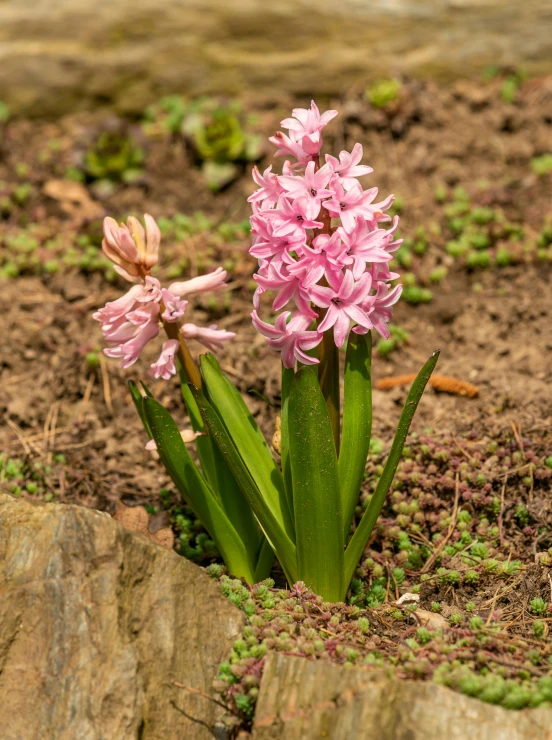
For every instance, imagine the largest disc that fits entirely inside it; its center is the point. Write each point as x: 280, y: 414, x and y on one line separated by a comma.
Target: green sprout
x: 383, y: 92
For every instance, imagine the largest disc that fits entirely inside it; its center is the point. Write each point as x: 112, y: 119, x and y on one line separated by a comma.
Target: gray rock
x: 59, y: 55
x: 95, y: 625
x: 301, y: 699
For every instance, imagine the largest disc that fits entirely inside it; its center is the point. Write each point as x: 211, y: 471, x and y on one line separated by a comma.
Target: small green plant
x: 542, y: 165
x: 538, y: 606
x: 383, y: 92
x: 398, y: 337
x: 114, y: 156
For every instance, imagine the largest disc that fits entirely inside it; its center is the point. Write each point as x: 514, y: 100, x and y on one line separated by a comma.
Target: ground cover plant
x: 69, y: 415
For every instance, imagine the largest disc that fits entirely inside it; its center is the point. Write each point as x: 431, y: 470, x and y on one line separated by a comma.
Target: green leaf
x: 357, y: 423
x: 264, y: 561
x: 225, y: 488
x: 204, y: 445
x: 137, y: 400
x: 273, y: 529
x: 249, y: 441
x: 196, y: 492
x: 364, y: 530
x: 316, y: 495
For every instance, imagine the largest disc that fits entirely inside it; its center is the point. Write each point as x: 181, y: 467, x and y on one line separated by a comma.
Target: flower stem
x: 328, y: 377
x: 186, y: 360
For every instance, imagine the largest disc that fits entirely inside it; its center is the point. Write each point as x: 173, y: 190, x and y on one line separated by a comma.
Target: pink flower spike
x: 291, y: 338
x: 343, y: 304
x: 203, y: 283
x: 174, y: 307
x: 165, y: 367
x: 130, y: 350
x: 210, y: 337
x: 348, y: 167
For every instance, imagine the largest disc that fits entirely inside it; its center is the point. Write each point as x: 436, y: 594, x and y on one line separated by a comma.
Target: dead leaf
x: 73, y: 199
x: 136, y: 519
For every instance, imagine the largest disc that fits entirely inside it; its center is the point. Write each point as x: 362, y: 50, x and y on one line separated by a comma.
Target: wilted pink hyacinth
x: 133, y: 320
x: 335, y: 274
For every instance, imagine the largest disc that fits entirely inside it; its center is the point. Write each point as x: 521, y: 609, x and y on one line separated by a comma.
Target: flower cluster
x: 337, y: 275
x: 133, y: 320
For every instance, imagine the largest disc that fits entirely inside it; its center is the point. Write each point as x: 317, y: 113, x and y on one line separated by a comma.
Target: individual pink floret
x: 342, y: 301
x: 210, y: 336
x: 174, y: 306
x: 212, y: 281
x: 347, y: 167
x: 165, y: 367
x: 291, y: 338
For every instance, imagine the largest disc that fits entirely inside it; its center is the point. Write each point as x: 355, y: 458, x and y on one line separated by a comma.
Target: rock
x: 95, y: 625
x: 302, y: 699
x: 58, y: 55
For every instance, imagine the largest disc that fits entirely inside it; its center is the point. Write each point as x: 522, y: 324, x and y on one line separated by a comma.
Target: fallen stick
x: 441, y: 383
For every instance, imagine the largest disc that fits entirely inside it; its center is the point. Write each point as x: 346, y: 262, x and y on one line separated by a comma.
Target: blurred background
x: 118, y: 107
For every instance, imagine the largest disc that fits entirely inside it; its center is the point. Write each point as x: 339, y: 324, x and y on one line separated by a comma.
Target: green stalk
x: 328, y: 377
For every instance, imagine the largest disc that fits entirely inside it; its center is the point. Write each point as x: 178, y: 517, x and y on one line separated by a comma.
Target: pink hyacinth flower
x: 203, y: 283
x: 288, y: 286
x: 353, y: 203
x: 293, y: 218
x: 165, y: 367
x: 130, y: 350
x: 342, y: 301
x: 174, y: 307
x: 210, y: 337
x: 132, y: 249
x: 269, y: 190
x: 115, y: 311
x: 326, y: 255
x: 363, y: 245
x: 312, y: 185
x: 291, y: 338
x: 378, y: 308
x: 306, y: 125
x: 348, y: 167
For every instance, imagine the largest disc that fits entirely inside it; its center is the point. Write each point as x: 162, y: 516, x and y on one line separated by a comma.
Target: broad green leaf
x: 274, y: 531
x: 357, y: 423
x: 204, y: 445
x: 316, y: 495
x: 264, y: 561
x: 218, y: 474
x: 287, y: 378
x: 249, y: 441
x: 364, y: 530
x: 137, y: 400
x: 196, y: 492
